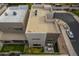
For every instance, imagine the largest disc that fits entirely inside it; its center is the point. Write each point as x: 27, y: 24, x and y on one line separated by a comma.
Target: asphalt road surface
x: 74, y: 27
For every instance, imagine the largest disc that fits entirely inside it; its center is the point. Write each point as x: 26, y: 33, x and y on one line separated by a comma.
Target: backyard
x: 25, y: 49
x: 39, y: 51
x: 12, y: 47
x: 33, y: 50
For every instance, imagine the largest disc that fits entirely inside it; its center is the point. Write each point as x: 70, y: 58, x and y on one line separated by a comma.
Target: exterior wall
x: 26, y: 20
x: 11, y: 27
x: 13, y: 23
x: 40, y: 38
x: 61, y: 45
x: 13, y: 36
x: 36, y: 38
x: 52, y: 37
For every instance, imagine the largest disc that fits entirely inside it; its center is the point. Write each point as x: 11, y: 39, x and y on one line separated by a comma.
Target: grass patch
x: 36, y: 50
x: 33, y: 50
x: 75, y: 12
x: 26, y: 49
x: 12, y: 47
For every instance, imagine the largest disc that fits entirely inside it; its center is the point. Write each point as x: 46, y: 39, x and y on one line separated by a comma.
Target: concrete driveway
x: 74, y: 27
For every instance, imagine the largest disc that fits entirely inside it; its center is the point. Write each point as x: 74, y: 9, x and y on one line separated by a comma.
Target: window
x: 26, y: 41
x: 36, y: 44
x: 18, y: 41
x: 35, y: 39
x: 6, y: 41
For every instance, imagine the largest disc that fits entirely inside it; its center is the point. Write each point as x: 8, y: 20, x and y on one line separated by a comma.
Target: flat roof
x: 19, y: 17
x: 38, y: 24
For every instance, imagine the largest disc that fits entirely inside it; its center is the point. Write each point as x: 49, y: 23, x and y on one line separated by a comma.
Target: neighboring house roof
x: 14, y: 14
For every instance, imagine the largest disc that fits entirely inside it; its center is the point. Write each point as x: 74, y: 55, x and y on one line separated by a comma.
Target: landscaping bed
x: 25, y: 49
x: 75, y: 12
x: 36, y: 50
x: 33, y: 50
x: 12, y: 47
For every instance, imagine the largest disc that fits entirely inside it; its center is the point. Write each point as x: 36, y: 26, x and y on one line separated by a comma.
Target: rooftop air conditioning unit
x: 38, y: 6
x: 47, y: 7
x: 49, y: 18
x: 6, y: 14
x: 35, y: 12
x: 14, y: 13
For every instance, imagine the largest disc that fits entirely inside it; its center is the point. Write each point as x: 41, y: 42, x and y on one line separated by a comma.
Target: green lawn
x: 38, y: 51
x: 13, y: 47
x: 33, y: 50
x: 25, y: 49
x: 75, y: 12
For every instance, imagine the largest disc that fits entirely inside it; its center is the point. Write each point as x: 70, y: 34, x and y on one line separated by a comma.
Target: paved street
x: 74, y: 26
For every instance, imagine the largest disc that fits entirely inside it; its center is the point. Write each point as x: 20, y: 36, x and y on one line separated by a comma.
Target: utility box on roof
x: 47, y: 7
x: 14, y: 19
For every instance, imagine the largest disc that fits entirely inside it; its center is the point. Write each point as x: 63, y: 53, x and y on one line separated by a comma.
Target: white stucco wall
x: 10, y: 27
x: 41, y: 37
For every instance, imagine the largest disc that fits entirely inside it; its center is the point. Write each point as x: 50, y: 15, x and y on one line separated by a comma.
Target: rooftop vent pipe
x: 6, y: 14
x: 35, y: 12
x: 14, y: 13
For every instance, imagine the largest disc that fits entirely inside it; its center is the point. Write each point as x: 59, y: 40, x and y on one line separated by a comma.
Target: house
x: 40, y: 30
x: 13, y: 24
x: 13, y: 19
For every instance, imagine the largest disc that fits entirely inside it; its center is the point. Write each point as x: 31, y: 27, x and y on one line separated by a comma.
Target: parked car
x: 70, y: 34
